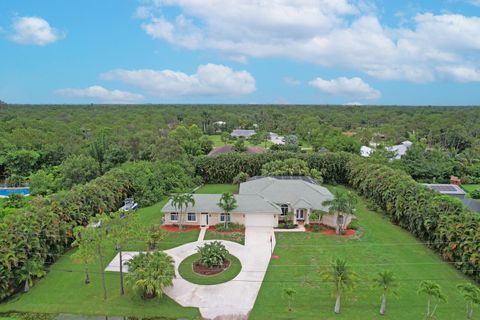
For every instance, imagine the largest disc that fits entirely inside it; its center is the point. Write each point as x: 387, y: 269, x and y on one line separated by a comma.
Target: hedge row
x: 224, y: 168
x: 35, y: 237
x: 439, y: 221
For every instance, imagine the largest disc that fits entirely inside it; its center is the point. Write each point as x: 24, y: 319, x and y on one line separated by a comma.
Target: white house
x: 400, y: 149
x: 275, y: 138
x: 261, y: 202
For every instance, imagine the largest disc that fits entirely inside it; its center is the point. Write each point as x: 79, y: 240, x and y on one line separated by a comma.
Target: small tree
x: 433, y: 291
x: 342, y: 277
x: 471, y: 294
x: 317, y: 215
x: 385, y: 281
x: 30, y: 270
x: 91, y: 242
x: 342, y: 206
x: 212, y: 254
x: 225, y: 137
x: 150, y: 273
x: 227, y: 204
x: 181, y: 202
x: 289, y: 293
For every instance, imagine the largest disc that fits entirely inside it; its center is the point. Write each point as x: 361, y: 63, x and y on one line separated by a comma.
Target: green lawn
x: 383, y: 246
x: 217, y: 188
x: 186, y: 271
x: 238, y: 237
x: 470, y: 187
x: 63, y: 289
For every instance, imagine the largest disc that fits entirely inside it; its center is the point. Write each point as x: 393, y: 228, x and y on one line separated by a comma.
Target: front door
x: 301, y: 214
x: 204, y: 219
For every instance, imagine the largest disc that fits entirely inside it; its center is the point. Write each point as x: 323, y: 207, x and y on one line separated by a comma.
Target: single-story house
x: 228, y: 148
x: 447, y: 189
x: 400, y: 149
x: 275, y: 138
x: 261, y: 202
x: 241, y: 133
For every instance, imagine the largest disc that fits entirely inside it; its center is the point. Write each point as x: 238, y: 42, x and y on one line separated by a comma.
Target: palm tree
x: 344, y: 203
x: 385, y: 281
x: 150, y: 273
x: 433, y: 291
x: 181, y: 201
x: 343, y: 278
x: 30, y: 270
x: 289, y: 293
x: 227, y: 203
x: 471, y: 294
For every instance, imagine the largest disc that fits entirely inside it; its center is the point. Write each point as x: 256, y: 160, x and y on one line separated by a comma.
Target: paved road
x: 230, y: 300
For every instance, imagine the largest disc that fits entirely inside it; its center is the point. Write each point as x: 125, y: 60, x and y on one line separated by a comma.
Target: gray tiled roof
x: 448, y: 189
x: 245, y: 204
x: 472, y: 204
x: 242, y: 133
x: 288, y: 191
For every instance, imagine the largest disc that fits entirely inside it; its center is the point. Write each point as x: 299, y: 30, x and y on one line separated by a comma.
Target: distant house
x: 241, y: 133
x: 261, y: 202
x: 275, y: 138
x: 447, y: 189
x: 228, y: 148
x: 400, y: 149
x: 457, y: 192
x: 366, y: 151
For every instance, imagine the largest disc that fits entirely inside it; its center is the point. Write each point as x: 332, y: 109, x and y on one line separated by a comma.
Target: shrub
x: 14, y: 201
x: 212, y: 254
x: 241, y: 177
x: 354, y: 225
x: 475, y: 194
x: 231, y: 226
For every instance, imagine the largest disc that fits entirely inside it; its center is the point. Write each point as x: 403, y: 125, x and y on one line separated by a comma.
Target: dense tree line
x: 38, y: 234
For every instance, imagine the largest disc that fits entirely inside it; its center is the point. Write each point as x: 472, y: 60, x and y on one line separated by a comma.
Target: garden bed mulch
x: 331, y: 232
x: 207, y: 271
x: 171, y: 228
x: 214, y: 229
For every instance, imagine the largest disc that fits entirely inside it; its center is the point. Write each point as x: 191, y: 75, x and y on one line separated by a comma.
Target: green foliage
x: 290, y: 294
x: 288, y: 167
x: 180, y: 202
x: 15, y: 180
x: 78, y: 169
x: 475, y: 194
x: 21, y: 162
x: 212, y: 254
x: 239, y: 146
x: 151, y: 273
x: 227, y: 203
x: 471, y: 294
x: 241, y: 177
x: 42, y: 183
x: 231, y: 226
x: 433, y: 291
x: 14, y: 201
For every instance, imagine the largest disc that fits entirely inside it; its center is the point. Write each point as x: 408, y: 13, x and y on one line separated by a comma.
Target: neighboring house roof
x: 400, y: 149
x: 242, y: 133
x: 288, y: 190
x: 365, y: 151
x: 275, y: 138
x: 228, y: 148
x: 246, y: 203
x: 472, y: 204
x: 447, y: 189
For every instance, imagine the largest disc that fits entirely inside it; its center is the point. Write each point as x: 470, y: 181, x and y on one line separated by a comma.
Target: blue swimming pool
x: 5, y: 192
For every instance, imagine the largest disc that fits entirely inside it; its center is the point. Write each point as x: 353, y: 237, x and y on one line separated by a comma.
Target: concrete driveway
x: 230, y: 300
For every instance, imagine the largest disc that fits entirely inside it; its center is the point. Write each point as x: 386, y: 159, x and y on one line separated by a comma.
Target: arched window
x: 284, y: 208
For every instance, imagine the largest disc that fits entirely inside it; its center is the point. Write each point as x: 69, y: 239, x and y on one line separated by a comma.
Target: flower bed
x: 187, y: 272
x: 175, y: 228
x: 200, y: 269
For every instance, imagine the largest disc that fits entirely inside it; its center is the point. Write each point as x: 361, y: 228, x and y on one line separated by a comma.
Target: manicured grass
x: 217, y: 188
x: 63, y: 289
x: 238, y: 237
x: 186, y: 271
x: 383, y: 246
x: 470, y: 187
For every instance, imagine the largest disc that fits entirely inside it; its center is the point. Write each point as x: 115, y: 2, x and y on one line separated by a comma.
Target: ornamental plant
x: 212, y: 254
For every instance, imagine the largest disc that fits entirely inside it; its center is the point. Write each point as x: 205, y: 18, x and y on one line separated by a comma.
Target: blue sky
x: 225, y: 51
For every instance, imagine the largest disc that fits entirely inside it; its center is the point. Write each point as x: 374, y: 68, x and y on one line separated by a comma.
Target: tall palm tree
x: 471, y: 294
x: 385, y: 281
x: 181, y: 201
x: 433, y: 291
x: 151, y: 273
x: 342, y: 277
x: 342, y: 206
x: 227, y: 203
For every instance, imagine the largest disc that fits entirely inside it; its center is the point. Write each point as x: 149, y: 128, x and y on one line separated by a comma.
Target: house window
x: 174, y: 216
x: 223, y: 216
x: 192, y: 216
x: 300, y: 214
x: 284, y: 208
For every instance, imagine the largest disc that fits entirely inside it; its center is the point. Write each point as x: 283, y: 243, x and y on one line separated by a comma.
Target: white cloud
x: 354, y: 87
x: 102, y: 94
x: 291, y: 81
x: 332, y: 33
x: 34, y: 30
x: 461, y: 73
x: 209, y: 80
x: 475, y: 2
x: 353, y: 103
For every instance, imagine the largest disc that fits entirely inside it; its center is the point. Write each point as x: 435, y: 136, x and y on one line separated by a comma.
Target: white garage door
x: 259, y: 220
